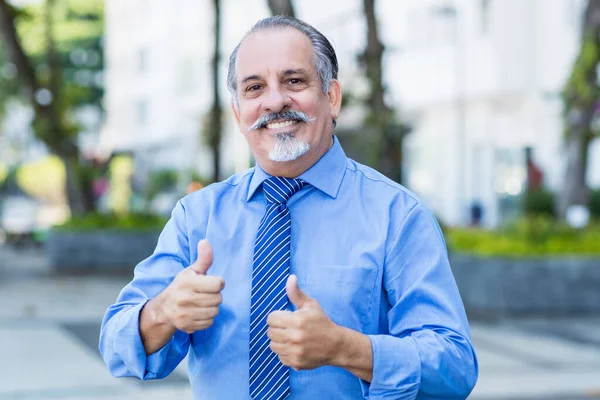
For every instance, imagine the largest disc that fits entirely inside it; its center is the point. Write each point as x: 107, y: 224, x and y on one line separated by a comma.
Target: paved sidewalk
x: 49, y: 334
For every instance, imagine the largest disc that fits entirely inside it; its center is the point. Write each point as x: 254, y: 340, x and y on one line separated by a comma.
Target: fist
x: 306, y: 338
x: 191, y: 301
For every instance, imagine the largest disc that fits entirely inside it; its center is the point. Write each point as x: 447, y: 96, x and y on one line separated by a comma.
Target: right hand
x: 191, y: 302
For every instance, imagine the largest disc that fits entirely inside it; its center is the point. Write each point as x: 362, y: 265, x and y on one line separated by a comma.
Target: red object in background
x: 535, y: 176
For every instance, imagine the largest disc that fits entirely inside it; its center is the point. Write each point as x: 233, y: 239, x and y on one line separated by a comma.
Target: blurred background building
x: 478, y: 81
x: 492, y: 76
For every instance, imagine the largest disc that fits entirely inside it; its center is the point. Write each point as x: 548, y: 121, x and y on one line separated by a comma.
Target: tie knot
x: 278, y: 190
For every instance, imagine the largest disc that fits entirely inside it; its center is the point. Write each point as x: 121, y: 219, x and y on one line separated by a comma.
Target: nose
x: 276, y: 101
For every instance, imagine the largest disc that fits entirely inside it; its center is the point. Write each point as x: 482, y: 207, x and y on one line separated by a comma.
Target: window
x: 143, y: 60
x: 576, y: 14
x: 485, y: 16
x: 142, y: 113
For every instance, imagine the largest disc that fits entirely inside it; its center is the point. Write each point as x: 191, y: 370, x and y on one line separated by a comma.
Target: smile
x: 279, y: 125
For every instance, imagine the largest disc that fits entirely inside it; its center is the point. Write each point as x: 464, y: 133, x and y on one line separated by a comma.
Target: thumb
x: 205, y: 258
x: 296, y: 296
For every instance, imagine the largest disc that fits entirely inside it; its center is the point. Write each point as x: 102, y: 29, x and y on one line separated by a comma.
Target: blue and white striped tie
x: 269, y: 378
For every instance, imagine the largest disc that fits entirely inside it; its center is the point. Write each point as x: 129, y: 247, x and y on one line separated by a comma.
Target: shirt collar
x: 325, y: 175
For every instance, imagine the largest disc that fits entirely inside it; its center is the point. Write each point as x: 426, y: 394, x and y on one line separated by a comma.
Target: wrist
x: 157, y: 311
x: 352, y: 350
x: 341, y: 346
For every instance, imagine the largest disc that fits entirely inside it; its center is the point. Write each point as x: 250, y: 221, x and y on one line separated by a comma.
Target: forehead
x: 274, y: 50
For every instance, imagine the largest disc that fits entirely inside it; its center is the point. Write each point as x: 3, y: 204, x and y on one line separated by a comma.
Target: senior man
x: 309, y: 276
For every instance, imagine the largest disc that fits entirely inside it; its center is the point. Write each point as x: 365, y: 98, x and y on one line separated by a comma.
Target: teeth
x: 278, y: 125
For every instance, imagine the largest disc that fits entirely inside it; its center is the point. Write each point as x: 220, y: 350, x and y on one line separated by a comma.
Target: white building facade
x: 479, y: 80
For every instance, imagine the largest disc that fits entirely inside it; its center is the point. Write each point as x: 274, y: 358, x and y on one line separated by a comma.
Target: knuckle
x: 298, y: 353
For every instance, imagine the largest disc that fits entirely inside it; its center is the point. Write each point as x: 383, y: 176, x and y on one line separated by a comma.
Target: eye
x: 295, y: 81
x: 252, y: 88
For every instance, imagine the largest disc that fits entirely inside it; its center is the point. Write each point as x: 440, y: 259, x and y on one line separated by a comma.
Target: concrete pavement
x: 49, y: 330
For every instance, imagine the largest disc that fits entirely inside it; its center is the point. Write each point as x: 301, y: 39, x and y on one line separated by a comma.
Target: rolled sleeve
x: 427, y: 352
x: 129, y: 356
x: 396, y: 369
x: 120, y: 341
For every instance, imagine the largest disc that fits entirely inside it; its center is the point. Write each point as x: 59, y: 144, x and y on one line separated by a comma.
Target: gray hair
x: 325, y: 59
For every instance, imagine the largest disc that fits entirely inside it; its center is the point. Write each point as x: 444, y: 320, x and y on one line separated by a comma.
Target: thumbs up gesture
x: 191, y: 302
x: 306, y: 338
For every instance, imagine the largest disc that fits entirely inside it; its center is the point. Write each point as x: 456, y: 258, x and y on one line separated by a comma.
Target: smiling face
x: 282, y: 109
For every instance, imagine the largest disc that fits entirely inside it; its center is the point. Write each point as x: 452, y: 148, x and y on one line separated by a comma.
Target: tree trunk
x: 48, y: 118
x: 386, y: 137
x: 216, y: 111
x: 81, y: 199
x: 580, y: 112
x: 281, y: 7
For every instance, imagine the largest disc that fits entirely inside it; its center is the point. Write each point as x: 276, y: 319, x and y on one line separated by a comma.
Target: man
x: 309, y: 276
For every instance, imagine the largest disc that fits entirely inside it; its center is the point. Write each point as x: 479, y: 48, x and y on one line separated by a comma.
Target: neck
x: 293, y: 169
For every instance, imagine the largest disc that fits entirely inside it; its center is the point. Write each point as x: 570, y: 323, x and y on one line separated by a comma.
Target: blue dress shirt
x: 363, y: 246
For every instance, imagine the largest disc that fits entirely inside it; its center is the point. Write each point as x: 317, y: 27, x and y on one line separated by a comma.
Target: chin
x: 284, y: 154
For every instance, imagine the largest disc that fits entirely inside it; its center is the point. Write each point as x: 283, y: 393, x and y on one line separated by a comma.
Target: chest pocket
x: 344, y: 292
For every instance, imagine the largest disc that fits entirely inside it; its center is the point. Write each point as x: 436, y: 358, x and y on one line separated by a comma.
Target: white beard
x: 287, y: 148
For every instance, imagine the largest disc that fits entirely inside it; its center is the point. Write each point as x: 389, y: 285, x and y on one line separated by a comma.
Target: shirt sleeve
x: 120, y: 341
x: 427, y: 353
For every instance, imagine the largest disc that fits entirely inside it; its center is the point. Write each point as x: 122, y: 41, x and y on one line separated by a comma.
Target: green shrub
x: 128, y: 222
x: 532, y: 236
x: 539, y: 202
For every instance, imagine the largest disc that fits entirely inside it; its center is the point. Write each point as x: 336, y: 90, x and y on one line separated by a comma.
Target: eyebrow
x: 294, y: 71
x: 250, y: 78
x: 287, y: 72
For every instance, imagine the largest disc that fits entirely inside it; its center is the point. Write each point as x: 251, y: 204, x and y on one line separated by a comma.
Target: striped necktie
x: 269, y: 378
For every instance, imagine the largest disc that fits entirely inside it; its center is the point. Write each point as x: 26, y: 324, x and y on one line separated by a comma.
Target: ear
x: 335, y: 98
x: 236, y: 114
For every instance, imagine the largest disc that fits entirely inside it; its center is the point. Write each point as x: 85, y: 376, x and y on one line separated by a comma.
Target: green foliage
x: 73, y: 20
x: 196, y: 177
x: 580, y: 89
x: 78, y: 34
x: 160, y: 181
x: 9, y: 180
x: 595, y: 203
x: 532, y: 236
x: 127, y: 222
x: 539, y: 202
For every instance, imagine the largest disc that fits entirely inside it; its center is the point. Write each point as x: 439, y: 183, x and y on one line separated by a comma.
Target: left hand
x: 306, y: 338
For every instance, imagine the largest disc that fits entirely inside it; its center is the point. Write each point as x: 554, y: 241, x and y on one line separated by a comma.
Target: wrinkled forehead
x: 274, y: 50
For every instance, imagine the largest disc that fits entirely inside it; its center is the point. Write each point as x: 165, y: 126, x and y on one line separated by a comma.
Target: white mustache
x: 291, y: 115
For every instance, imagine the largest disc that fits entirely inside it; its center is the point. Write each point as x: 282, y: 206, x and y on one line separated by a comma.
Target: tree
x: 581, y: 97
x: 39, y: 41
x: 281, y: 7
x: 216, y: 112
x: 385, y: 134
